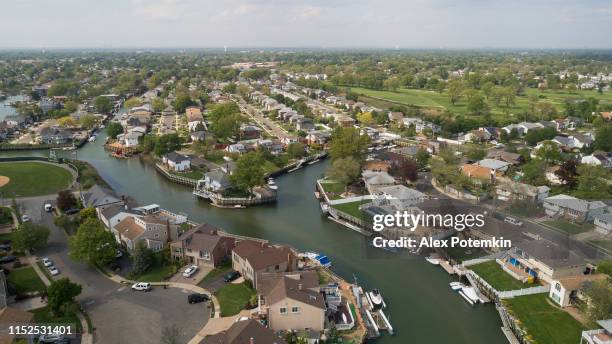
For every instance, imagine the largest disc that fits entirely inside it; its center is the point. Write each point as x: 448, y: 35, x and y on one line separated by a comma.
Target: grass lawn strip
x: 34, y: 179
x: 352, y: 208
x: 25, y: 280
x: 568, y: 227
x: 545, y: 323
x: 493, y: 273
x: 233, y: 298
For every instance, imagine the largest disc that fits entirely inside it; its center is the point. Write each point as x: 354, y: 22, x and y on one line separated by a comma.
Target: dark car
x: 7, y: 259
x: 71, y: 211
x: 197, y: 298
x: 231, y: 276
x: 5, y: 246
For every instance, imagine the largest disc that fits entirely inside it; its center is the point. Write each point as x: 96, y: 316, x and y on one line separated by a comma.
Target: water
x: 422, y: 308
x: 6, y: 110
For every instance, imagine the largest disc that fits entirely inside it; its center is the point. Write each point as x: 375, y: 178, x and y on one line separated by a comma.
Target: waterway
x: 421, y: 306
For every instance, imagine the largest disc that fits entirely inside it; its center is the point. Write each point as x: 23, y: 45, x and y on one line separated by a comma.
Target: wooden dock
x: 447, y: 267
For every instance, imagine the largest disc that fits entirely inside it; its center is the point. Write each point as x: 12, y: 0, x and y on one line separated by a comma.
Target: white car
x: 53, y: 270
x: 190, y: 271
x: 513, y: 221
x: 47, y: 262
x: 25, y: 218
x: 141, y: 286
x: 48, y: 207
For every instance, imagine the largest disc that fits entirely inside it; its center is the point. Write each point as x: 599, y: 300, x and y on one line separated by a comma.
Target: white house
x: 177, y: 162
x: 565, y: 291
x: 572, y: 208
x: 598, y: 158
x: 603, y: 223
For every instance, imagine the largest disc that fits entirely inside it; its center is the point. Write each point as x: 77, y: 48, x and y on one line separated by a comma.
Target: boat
x: 433, y: 261
x: 92, y: 138
x: 313, y: 162
x: 469, y: 294
x: 272, y: 184
x: 320, y: 259
x: 324, y: 207
x: 456, y: 286
x: 102, y: 126
x: 376, y: 299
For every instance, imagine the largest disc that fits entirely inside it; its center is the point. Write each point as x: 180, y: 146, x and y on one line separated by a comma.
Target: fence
x: 175, y: 178
x: 483, y: 259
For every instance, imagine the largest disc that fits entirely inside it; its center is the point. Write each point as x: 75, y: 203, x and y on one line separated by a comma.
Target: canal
x: 421, y: 306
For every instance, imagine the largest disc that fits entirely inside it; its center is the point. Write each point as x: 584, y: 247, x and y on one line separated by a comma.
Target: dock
x: 447, y: 267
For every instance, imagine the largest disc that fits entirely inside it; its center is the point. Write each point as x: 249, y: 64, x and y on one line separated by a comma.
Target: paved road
x: 267, y: 124
x: 117, y: 312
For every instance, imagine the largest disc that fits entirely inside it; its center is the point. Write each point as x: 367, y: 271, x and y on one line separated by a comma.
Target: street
x: 116, y: 311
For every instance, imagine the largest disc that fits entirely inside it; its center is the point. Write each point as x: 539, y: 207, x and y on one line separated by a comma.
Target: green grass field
x: 434, y: 99
x: 546, y: 324
x: 156, y: 273
x: 33, y: 179
x: 352, y: 208
x: 45, y: 316
x: 492, y: 273
x: 25, y: 280
x: 568, y: 227
x: 233, y: 298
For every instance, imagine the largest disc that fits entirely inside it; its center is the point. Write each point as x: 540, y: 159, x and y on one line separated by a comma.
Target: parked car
x: 118, y: 254
x: 51, y: 338
x: 190, y: 271
x: 7, y: 259
x: 47, y: 262
x: 5, y: 247
x: 513, y: 221
x: 141, y: 286
x: 25, y: 218
x: 231, y: 276
x: 197, y: 298
x: 53, y: 271
x: 48, y: 207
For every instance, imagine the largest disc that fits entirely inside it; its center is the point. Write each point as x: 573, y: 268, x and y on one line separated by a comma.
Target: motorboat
x: 433, y: 261
x: 92, y: 138
x: 376, y: 299
x: 456, y: 286
x: 272, y: 184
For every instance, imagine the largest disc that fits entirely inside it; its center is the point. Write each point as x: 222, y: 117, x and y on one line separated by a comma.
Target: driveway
x: 117, y: 312
x: 194, y: 279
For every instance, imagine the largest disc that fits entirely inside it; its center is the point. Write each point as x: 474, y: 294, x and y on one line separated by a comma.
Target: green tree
x: 103, y: 104
x: 113, y: 129
x: 532, y: 172
x: 181, y: 102
x: 249, y: 171
x: 30, y: 237
x: 599, y: 294
x: 132, y: 102
x: 605, y: 267
x: 167, y: 143
x: 142, y: 258
x: 88, y: 121
x: 592, y: 182
x: 477, y: 105
x: 455, y: 90
x: 348, y: 142
x: 549, y: 152
x: 344, y: 171
x: 296, y: 150
x: 158, y: 104
x: 603, y: 138
x: 61, y: 293
x: 93, y: 244
x: 476, y: 154
x: 422, y: 158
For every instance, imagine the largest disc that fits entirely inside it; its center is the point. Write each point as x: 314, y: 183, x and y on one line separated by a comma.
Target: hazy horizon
x: 333, y: 24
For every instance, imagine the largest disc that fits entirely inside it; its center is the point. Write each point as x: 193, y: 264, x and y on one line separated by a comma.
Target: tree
x: 568, y: 172
x: 71, y: 106
x: 296, y: 150
x: 549, y: 152
x: 533, y: 172
x: 113, y: 129
x: 455, y: 90
x: 534, y: 136
x: 30, y: 237
x: 103, y: 104
x: 476, y: 154
x: 167, y: 143
x: 141, y: 259
x: 65, y: 200
x: 88, y: 121
x: 365, y: 118
x: 158, y: 104
x: 344, y: 171
x: 181, y: 102
x: 477, y: 105
x: 405, y: 169
x: 348, y: 142
x: 249, y: 171
x: 392, y: 84
x: 603, y: 138
x: 67, y: 122
x: 88, y: 213
x: 605, y: 267
x: 422, y: 158
x: 60, y: 293
x: 93, y: 244
x: 592, y: 182
x: 599, y: 294
x: 132, y: 102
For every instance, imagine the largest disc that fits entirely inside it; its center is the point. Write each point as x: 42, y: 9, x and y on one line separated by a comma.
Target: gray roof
x: 607, y: 218
x: 551, y: 254
x: 174, y: 156
x: 244, y: 332
x: 401, y: 192
x: 606, y: 324
x: 98, y: 196
x: 220, y: 177
x: 574, y: 203
x: 493, y: 164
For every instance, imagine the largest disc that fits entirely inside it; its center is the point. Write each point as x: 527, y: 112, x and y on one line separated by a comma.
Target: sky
x: 535, y: 24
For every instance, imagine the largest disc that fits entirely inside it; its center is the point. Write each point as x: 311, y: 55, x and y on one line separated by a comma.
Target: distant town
x: 230, y: 197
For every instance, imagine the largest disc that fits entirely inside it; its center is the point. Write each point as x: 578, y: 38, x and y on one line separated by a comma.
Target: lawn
x: 352, y: 208
x: 44, y: 316
x: 25, y: 280
x: 33, y: 179
x: 607, y: 244
x: 214, y: 273
x: 197, y: 175
x: 233, y: 298
x: 6, y: 216
x: 545, y: 323
x: 568, y: 227
x: 492, y: 273
x: 156, y: 273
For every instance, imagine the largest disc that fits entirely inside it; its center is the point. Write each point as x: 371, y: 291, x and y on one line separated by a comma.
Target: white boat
x: 433, y: 261
x: 456, y: 286
x: 272, y: 184
x: 102, y: 126
x: 376, y: 299
x: 313, y: 162
x: 469, y: 293
x: 324, y: 207
x: 92, y: 138
x: 466, y: 298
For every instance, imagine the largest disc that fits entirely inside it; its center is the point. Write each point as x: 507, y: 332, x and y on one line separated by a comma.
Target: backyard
x: 492, y: 273
x: 33, y: 179
x: 25, y: 280
x: 545, y: 323
x: 234, y: 297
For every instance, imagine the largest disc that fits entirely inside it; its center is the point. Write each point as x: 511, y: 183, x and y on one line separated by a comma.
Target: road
x: 495, y: 223
x: 267, y: 124
x: 116, y: 311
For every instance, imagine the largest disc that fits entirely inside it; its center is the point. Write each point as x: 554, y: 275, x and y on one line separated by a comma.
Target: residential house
x: 507, y: 189
x: 374, y: 180
x: 202, y: 246
x: 194, y: 118
x: 511, y: 158
x: 98, y: 196
x: 318, y: 137
x: 395, y: 117
x: 291, y: 301
x: 598, y: 158
x: 603, y: 223
x: 576, y: 141
x: 252, y: 258
x: 153, y: 230
x: 480, y: 172
x: 242, y: 331
x: 305, y: 124
x: 399, y: 196
x: 55, y: 136
x: 249, y: 131
x: 572, y: 208
x: 545, y: 261
x: 215, y: 181
x: 493, y: 164
x: 198, y: 136
x: 129, y: 139
x: 176, y: 162
x: 598, y: 336
x: 566, y: 291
